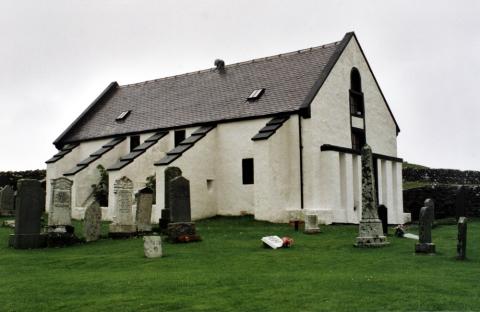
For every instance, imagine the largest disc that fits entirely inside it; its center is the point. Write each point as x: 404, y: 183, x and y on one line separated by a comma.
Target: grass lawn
x: 230, y: 271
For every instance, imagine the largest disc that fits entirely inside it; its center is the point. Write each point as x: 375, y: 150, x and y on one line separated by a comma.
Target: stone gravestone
x: 383, y: 216
x: 27, y: 216
x: 152, y: 246
x: 181, y: 229
x: 7, y: 201
x: 370, y: 232
x: 179, y: 199
x: 60, y: 213
x: 462, y: 239
x: 425, y: 223
x: 460, y: 202
x: 170, y: 174
x: 144, y: 210
x: 123, y: 224
x: 60, y: 231
x: 92, y: 222
x: 311, y: 223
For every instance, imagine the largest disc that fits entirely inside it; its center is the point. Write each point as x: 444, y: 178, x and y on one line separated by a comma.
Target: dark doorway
x: 383, y: 216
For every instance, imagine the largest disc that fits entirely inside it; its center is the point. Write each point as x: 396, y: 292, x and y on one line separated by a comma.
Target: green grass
x: 230, y: 271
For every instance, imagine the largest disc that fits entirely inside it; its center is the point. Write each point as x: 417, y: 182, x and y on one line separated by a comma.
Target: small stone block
x: 152, y: 246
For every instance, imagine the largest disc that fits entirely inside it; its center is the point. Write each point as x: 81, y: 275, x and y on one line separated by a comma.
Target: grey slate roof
x: 209, y: 96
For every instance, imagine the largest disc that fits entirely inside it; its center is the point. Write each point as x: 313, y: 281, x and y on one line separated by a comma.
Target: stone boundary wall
x: 11, y: 177
x: 444, y: 197
x: 442, y: 176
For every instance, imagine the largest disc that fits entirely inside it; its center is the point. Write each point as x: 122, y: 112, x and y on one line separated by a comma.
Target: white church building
x: 262, y: 137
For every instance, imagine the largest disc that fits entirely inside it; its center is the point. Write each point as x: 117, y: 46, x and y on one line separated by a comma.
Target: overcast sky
x: 57, y: 56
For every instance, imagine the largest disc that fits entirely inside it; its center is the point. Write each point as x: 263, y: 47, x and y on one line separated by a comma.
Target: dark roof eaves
x: 112, y: 86
x: 305, y: 106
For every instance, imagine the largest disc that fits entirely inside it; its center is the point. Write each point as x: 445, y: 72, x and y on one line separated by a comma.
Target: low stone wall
x: 11, y: 177
x: 444, y: 197
x: 443, y: 176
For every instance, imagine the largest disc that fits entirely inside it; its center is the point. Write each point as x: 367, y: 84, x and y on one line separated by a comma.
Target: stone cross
x: 460, y: 202
x: 370, y: 232
x: 60, y: 213
x: 462, y: 239
x: 425, y: 223
x: 179, y: 199
x: 7, y: 201
x: 92, y: 222
x: 123, y: 221
x: 27, y: 215
x: 144, y: 210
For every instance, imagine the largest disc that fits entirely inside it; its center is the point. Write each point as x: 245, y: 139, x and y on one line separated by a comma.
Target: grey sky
x: 57, y: 56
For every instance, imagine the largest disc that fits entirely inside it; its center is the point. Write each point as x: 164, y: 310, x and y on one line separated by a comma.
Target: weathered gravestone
x: 60, y: 213
x: 461, y: 202
x: 28, y: 212
x: 144, y: 210
x: 123, y: 222
x: 152, y: 246
x: 462, y: 239
x: 370, y: 232
x: 181, y: 229
x: 425, y: 223
x: 7, y: 201
x: 311, y: 223
x: 92, y: 222
x: 170, y: 174
x: 383, y: 216
x: 60, y: 231
x: 179, y: 199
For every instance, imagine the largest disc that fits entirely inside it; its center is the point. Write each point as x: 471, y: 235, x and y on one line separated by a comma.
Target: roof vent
x: 123, y: 115
x: 219, y: 64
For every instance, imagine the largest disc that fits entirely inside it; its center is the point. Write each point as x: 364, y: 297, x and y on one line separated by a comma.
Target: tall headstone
x: 461, y: 202
x: 425, y: 223
x: 27, y: 216
x: 179, y: 199
x: 123, y: 222
x: 60, y: 213
x: 383, y: 216
x: 92, y: 222
x: 144, y: 210
x: 370, y: 232
x: 462, y: 239
x: 7, y: 201
x: 170, y: 174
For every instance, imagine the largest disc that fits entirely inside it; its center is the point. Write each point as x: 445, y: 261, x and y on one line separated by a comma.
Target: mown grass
x: 230, y: 271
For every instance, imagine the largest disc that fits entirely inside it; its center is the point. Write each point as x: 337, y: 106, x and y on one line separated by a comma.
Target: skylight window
x: 256, y: 94
x: 123, y: 115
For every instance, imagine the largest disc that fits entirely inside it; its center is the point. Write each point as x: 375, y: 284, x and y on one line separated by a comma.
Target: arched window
x: 356, y: 94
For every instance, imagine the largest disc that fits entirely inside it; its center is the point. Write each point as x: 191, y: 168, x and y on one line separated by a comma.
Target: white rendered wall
x: 330, y: 188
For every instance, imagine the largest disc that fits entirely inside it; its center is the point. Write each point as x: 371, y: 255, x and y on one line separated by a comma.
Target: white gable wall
x: 331, y: 179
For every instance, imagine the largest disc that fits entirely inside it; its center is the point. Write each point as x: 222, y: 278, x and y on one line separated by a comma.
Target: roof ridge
x: 266, y: 58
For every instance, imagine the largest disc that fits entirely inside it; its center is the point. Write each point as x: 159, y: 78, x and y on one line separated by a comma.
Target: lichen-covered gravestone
x: 462, y: 239
x: 170, y: 174
x: 60, y: 213
x: 7, y: 201
x: 92, y: 222
x: 370, y: 231
x: 152, y: 246
x: 27, y: 216
x: 144, y: 210
x: 123, y: 222
x: 311, y: 223
x: 425, y: 223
